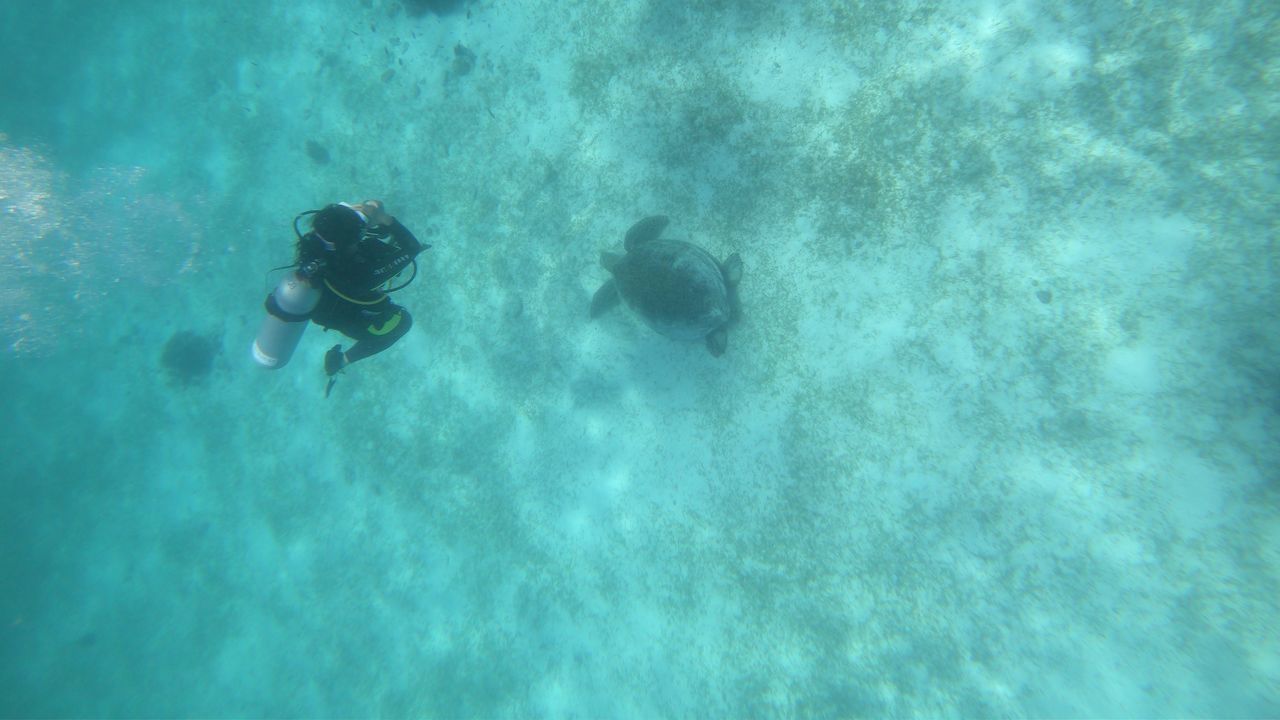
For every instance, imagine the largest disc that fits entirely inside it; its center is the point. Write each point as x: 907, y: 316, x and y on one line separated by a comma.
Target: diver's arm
x: 384, y: 259
x: 380, y: 219
x: 405, y: 239
x: 375, y: 211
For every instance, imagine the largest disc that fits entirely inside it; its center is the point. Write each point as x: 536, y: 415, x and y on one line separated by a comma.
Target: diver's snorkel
x: 298, y: 217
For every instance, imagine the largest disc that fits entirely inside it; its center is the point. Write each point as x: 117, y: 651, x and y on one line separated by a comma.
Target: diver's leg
x: 380, y: 334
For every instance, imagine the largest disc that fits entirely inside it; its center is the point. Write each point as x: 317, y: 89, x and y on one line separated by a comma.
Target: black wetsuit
x: 349, y: 278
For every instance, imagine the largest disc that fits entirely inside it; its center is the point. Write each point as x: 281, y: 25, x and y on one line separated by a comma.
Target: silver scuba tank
x: 288, y: 308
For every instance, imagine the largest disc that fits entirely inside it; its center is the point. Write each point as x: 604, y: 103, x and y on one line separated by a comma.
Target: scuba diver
x: 344, y: 268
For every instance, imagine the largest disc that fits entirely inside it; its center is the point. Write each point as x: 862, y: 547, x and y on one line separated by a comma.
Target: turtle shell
x: 676, y: 287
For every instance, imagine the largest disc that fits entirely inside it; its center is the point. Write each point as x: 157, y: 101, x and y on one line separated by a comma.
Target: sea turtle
x: 676, y: 287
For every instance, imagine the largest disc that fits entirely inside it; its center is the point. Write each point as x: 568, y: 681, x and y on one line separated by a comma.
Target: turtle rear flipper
x: 604, y: 299
x: 645, y: 230
x: 732, y: 269
x: 717, y: 341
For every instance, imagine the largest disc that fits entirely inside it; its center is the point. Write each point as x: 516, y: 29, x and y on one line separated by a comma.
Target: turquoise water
x: 997, y: 434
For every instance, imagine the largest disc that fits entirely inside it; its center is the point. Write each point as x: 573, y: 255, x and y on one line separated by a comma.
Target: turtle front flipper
x: 645, y: 230
x: 604, y: 299
x: 717, y: 341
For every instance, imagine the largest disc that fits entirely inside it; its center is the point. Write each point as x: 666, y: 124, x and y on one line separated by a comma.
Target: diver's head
x: 338, y: 226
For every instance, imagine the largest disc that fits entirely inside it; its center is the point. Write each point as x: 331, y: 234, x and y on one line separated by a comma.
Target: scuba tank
x: 288, y: 310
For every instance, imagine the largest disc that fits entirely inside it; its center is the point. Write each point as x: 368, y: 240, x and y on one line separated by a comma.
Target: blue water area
x: 995, y: 433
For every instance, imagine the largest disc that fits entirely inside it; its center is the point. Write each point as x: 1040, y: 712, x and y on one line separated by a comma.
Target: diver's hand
x: 376, y: 213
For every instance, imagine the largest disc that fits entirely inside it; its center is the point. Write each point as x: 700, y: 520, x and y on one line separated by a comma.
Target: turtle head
x: 610, y: 260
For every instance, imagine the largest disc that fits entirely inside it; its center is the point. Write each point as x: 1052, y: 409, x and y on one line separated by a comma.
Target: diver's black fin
x: 605, y: 298
x: 329, y: 386
x: 645, y: 230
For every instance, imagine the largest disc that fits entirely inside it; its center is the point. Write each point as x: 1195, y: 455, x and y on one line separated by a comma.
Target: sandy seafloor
x: 996, y: 436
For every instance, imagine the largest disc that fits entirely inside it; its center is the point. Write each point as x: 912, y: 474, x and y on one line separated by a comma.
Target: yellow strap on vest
x: 340, y: 294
